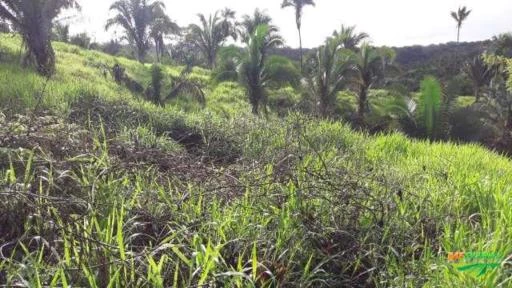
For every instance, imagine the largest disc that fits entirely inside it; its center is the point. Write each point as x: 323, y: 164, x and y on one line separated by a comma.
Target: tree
x: 113, y: 47
x: 136, y: 17
x: 502, y: 45
x: 498, y: 104
x: 156, y: 84
x: 82, y: 40
x: 33, y: 20
x: 252, y: 72
x: 299, y: 6
x: 460, y: 16
x: 480, y: 74
x: 212, y: 33
x: 430, y: 105
x: 326, y: 73
x: 60, y: 32
x: 349, y: 38
x: 369, y: 65
x: 162, y: 25
x: 250, y: 23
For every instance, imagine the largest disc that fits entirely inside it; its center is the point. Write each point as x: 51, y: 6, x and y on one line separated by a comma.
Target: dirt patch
x: 47, y: 133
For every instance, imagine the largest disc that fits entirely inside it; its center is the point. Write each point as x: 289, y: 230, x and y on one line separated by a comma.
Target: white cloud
x: 392, y: 22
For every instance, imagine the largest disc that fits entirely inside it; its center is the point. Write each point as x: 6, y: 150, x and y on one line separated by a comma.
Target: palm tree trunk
x: 476, y: 92
x: 157, y: 51
x: 140, y: 52
x: 37, y: 38
x: 323, y: 108
x: 301, y: 53
x: 363, y: 98
x: 323, y: 103
x: 508, y: 125
x: 140, y: 56
x: 255, y: 106
x: 458, y: 34
x: 211, y: 60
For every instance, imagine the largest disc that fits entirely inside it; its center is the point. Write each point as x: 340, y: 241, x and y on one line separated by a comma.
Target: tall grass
x: 149, y: 196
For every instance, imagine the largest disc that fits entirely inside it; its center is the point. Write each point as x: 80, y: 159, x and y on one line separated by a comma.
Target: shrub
x: 82, y: 40
x: 467, y: 125
x: 113, y: 47
x: 429, y: 108
x: 60, y: 33
x: 156, y: 83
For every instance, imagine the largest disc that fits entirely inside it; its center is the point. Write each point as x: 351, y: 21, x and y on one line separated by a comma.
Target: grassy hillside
x: 100, y: 188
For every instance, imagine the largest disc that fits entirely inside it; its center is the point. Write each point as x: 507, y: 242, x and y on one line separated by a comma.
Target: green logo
x: 475, y: 262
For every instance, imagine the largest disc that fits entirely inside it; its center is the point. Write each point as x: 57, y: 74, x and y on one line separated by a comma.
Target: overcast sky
x: 391, y: 22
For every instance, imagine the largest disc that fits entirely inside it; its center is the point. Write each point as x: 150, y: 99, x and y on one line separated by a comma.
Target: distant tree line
x: 425, y: 82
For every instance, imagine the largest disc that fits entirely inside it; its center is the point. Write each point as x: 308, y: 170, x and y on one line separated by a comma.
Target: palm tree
x: 249, y: 26
x: 211, y: 34
x: 162, y: 26
x: 60, y: 32
x: 250, y: 23
x: 298, y: 5
x: 349, y: 38
x: 33, y: 19
x: 480, y: 74
x: 502, y: 45
x: 136, y: 17
x: 369, y: 65
x: 460, y: 16
x: 429, y: 108
x: 326, y: 74
x: 252, y: 69
x: 499, y: 100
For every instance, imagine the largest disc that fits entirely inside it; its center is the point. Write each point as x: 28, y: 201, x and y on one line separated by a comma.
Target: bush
x: 82, y: 40
x: 60, y: 33
x: 467, y: 125
x: 113, y: 47
x: 156, y: 84
x: 283, y: 72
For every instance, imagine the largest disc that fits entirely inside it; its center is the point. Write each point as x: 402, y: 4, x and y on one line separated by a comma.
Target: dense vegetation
x: 255, y: 170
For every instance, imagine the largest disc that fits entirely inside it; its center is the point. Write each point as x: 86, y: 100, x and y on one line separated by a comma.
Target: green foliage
x: 60, y: 32
x: 460, y: 16
x: 369, y: 66
x: 33, y: 20
x: 509, y: 67
x: 502, y: 45
x: 212, y: 33
x: 140, y: 20
x: 144, y: 137
x: 388, y: 109
x: 161, y: 26
x: 116, y: 191
x: 228, y: 61
x: 82, y: 40
x: 250, y: 24
x: 480, y: 74
x: 156, y: 83
x: 252, y: 70
x: 298, y: 5
x: 429, y: 108
x: 282, y: 71
x: 326, y: 74
x: 349, y: 38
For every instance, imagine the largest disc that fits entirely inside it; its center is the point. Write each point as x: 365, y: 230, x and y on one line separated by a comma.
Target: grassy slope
x: 299, y: 183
